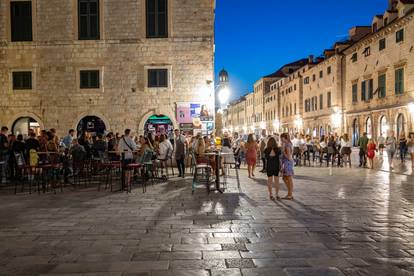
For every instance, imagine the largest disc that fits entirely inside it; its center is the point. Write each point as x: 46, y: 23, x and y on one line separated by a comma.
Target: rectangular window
x: 320, y: 101
x: 157, y: 78
x: 316, y: 103
x: 367, y: 51
x: 21, y: 20
x: 354, y: 57
x: 313, y: 104
x: 295, y: 108
x: 399, y: 81
x: 88, y: 19
x: 382, y: 44
x: 320, y: 74
x: 355, y: 93
x: 306, y: 80
x: 329, y: 70
x: 157, y: 18
x: 382, y: 86
x: 399, y: 36
x: 329, y: 99
x: 89, y: 79
x: 22, y: 80
x: 370, y: 89
x: 313, y: 77
x: 363, y: 91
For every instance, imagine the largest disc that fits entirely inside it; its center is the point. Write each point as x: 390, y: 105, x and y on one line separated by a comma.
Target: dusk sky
x: 255, y: 37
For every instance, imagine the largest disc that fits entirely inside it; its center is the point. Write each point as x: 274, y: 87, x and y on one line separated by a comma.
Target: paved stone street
x: 355, y: 222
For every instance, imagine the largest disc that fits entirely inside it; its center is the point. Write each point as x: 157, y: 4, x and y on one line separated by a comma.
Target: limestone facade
x: 366, y: 83
x: 123, y: 55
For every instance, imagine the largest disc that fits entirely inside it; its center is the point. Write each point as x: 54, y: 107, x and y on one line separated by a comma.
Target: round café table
x: 217, y: 155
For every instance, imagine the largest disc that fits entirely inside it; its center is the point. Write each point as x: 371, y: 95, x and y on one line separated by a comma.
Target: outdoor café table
x: 217, y: 155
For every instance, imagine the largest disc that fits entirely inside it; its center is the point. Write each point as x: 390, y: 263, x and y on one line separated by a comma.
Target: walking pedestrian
x: 410, y: 146
x: 251, y: 154
x: 371, y: 148
x: 272, y: 155
x: 402, y: 146
x: 287, y: 164
x: 263, y: 144
x: 391, y: 146
x: 180, y: 151
x: 381, y: 144
x: 362, y: 143
x: 127, y: 146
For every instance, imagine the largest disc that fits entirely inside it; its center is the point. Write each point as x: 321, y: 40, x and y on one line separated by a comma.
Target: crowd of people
x: 279, y: 154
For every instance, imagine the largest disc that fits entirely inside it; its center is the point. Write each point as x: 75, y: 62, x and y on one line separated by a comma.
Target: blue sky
x: 255, y: 37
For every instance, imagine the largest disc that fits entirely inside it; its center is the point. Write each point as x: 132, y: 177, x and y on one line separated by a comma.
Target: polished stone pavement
x: 353, y: 222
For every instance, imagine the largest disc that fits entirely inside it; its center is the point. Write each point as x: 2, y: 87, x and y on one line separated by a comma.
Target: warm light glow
x: 252, y: 128
x: 276, y: 125
x: 224, y: 95
x: 262, y: 125
x: 411, y: 108
x: 299, y: 123
x: 336, y: 119
x: 245, y: 129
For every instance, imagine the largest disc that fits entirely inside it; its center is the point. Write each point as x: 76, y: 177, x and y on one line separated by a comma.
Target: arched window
x: 400, y: 124
x: 383, y: 126
x: 368, y: 127
x: 355, y: 132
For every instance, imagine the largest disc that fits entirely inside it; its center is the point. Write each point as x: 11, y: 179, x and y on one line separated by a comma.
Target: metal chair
x: 202, y: 174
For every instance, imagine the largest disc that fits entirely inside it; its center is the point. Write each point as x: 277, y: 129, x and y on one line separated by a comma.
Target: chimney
x: 310, y: 59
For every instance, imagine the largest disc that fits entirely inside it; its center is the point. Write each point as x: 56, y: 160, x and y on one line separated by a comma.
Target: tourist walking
x: 180, y: 152
x: 127, y: 146
x: 391, y: 146
x: 272, y: 155
x: 402, y: 146
x: 410, y: 146
x: 287, y: 164
x: 381, y: 144
x: 263, y: 144
x: 362, y: 143
x: 346, y: 149
x: 371, y: 148
x: 251, y: 154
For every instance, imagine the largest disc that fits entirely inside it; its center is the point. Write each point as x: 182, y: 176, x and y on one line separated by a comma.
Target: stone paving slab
x: 354, y: 222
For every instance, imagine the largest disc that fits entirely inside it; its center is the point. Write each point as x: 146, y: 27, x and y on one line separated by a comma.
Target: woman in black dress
x: 272, y: 155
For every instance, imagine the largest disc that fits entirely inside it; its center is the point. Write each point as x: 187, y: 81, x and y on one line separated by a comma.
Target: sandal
x: 278, y: 197
x: 271, y: 197
x: 288, y: 198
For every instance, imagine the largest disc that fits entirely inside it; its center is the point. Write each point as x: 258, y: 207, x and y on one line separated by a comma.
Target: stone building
x: 363, y: 84
x: 106, y: 65
x: 322, y: 94
x: 379, y: 79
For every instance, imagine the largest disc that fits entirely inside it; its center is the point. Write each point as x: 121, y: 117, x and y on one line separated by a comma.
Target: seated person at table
x: 99, y: 146
x: 165, y: 148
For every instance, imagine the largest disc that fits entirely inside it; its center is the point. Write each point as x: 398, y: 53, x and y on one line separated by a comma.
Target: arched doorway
x: 23, y: 124
x: 158, y: 124
x: 91, y: 124
x: 400, y: 125
x: 368, y: 127
x: 355, y: 132
x: 383, y: 126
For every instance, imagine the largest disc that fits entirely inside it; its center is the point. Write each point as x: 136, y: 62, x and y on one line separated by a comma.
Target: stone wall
x: 123, y: 56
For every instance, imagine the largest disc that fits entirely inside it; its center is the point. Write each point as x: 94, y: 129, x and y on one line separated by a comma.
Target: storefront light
x: 411, y: 108
x: 299, y: 123
x: 262, y: 125
x: 336, y: 119
x: 276, y: 125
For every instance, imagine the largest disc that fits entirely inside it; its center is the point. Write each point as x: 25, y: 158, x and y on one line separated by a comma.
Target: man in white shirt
x: 127, y: 146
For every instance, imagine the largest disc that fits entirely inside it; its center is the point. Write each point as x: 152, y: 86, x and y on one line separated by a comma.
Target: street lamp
x: 224, y: 95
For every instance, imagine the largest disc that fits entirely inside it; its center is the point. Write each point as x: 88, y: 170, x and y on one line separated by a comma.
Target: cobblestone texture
x: 355, y: 222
